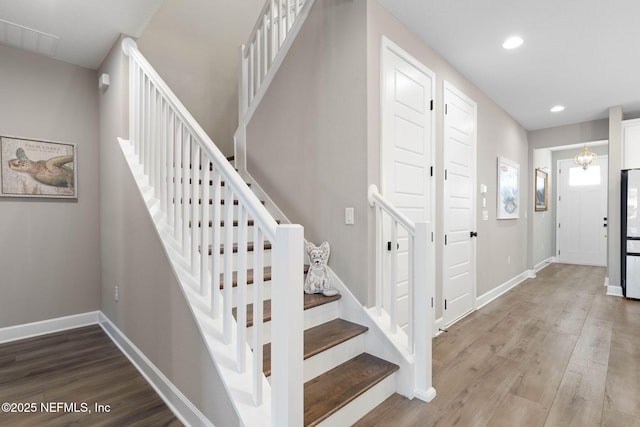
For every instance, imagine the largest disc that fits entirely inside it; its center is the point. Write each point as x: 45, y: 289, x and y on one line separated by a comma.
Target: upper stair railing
x: 278, y: 24
x: 192, y: 185
x: 415, y: 342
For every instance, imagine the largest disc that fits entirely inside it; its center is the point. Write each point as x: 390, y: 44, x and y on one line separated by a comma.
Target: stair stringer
x: 238, y: 385
x: 377, y: 341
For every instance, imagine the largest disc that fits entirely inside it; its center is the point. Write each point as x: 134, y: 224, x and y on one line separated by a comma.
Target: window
x: 581, y: 177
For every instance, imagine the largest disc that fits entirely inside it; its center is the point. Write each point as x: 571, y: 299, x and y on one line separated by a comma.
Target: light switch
x: 349, y: 216
x: 485, y: 215
x: 483, y: 189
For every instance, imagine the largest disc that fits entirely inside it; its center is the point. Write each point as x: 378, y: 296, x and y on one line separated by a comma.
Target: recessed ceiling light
x: 557, y: 109
x: 512, y: 42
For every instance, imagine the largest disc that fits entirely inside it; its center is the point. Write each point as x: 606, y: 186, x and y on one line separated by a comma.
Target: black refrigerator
x: 630, y: 226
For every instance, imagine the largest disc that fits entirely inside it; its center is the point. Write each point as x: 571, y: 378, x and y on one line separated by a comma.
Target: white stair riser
x: 266, y: 290
x: 312, y: 317
x: 234, y: 260
x: 363, y: 404
x: 332, y: 357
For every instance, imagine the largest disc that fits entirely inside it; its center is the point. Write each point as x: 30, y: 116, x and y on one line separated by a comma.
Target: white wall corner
x: 30, y: 330
x: 177, y: 402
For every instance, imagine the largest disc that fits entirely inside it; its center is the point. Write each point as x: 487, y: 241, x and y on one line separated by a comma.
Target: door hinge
x: 558, y: 252
x: 559, y: 198
x: 558, y: 225
x: 431, y: 302
x: 560, y: 171
x: 432, y: 105
x: 445, y: 304
x: 445, y: 239
x: 445, y: 109
x: 445, y: 174
x: 432, y: 236
x: 431, y: 171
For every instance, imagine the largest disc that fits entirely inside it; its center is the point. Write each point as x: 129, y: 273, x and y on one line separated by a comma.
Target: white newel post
x: 423, y: 315
x: 287, y: 327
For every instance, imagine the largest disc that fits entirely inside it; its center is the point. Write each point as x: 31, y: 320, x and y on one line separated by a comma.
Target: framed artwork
x: 508, y: 193
x: 542, y: 191
x: 31, y: 168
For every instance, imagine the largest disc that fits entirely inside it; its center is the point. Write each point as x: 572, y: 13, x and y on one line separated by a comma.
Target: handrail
x: 271, y: 38
x: 202, y: 199
x: 374, y: 197
x: 241, y: 190
x: 419, y: 288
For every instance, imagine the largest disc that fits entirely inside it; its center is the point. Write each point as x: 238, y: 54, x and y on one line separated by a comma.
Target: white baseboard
x: 182, y: 408
x: 29, y: 330
x: 615, y: 291
x: 486, y: 298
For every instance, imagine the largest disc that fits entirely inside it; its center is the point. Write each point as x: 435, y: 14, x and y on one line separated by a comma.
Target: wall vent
x: 28, y: 39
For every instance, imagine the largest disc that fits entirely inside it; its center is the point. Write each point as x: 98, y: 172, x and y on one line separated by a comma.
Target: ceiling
x: 583, y: 54
x: 80, y: 32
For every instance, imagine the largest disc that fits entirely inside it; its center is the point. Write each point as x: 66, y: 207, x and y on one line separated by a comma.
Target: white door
x: 407, y: 154
x: 459, y: 272
x: 582, y: 209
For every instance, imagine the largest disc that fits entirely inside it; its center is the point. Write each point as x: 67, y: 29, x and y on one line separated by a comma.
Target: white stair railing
x: 420, y: 290
x: 193, y: 185
x: 278, y: 24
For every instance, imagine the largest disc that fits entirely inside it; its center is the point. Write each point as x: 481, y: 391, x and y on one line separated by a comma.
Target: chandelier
x: 584, y: 158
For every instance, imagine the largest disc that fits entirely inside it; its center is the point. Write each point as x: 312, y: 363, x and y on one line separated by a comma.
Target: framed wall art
x: 542, y: 191
x: 508, y: 189
x: 32, y: 168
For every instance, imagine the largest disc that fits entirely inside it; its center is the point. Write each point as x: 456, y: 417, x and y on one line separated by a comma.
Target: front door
x: 582, y: 212
x: 407, y: 154
x: 459, y: 256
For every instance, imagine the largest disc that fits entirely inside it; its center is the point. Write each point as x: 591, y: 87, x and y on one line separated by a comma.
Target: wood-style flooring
x: 555, y: 352
x: 81, y: 368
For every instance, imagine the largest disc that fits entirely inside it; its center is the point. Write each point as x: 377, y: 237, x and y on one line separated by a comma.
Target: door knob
x: 473, y: 234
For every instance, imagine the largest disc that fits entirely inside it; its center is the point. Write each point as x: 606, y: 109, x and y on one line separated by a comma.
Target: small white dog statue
x: 317, y: 280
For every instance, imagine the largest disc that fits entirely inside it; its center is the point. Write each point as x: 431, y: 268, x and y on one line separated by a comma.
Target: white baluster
x: 411, y: 291
x: 216, y: 261
x: 265, y: 48
x: 258, y: 313
x: 241, y: 289
x: 393, y: 282
x: 228, y: 242
x: 171, y: 164
x: 379, y: 261
x: 252, y: 67
x: 177, y: 182
x: 205, y: 230
x: 197, y: 203
x: 186, y: 156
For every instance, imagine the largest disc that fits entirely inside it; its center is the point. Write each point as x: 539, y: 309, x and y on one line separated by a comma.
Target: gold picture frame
x: 541, y: 194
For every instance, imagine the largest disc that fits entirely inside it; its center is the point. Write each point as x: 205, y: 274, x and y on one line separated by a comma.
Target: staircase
x: 342, y: 381
x: 285, y: 358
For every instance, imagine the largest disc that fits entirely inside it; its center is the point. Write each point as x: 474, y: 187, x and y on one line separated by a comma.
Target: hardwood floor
x: 77, y: 367
x: 554, y: 351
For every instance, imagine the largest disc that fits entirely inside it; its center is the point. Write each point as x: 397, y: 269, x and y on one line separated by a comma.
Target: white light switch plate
x: 349, y: 217
x: 485, y: 215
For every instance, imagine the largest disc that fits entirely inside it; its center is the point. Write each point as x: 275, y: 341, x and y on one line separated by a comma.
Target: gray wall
x: 497, y: 135
x: 596, y: 130
x: 307, y: 142
x: 195, y: 46
x: 151, y: 310
x: 50, y: 259
x: 544, y: 236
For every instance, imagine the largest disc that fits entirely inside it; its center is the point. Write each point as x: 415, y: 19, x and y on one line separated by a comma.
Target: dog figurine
x: 317, y: 280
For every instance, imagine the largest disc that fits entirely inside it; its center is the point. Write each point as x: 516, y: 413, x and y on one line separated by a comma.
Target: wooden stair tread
x: 310, y: 301
x: 235, y: 201
x: 250, y: 223
x: 266, y: 275
x: 250, y: 247
x: 319, y: 339
x: 331, y: 391
x: 210, y: 182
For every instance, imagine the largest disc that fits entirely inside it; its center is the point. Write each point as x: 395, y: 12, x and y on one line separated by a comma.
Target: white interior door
x: 407, y: 154
x: 459, y: 272
x: 582, y: 209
